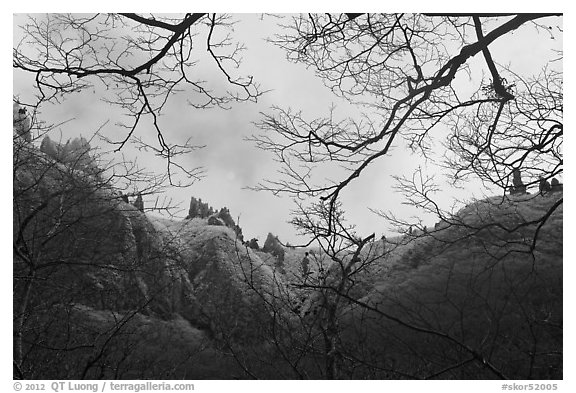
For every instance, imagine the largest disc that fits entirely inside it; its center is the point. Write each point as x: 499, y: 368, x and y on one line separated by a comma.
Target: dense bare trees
x: 410, y: 70
x: 78, y: 250
x: 421, y: 78
x: 438, y: 84
x: 138, y: 72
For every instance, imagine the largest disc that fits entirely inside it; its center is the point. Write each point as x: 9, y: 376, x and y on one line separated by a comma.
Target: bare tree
x: 407, y: 68
x: 461, y: 301
x: 138, y: 62
x: 305, y: 319
x: 74, y: 240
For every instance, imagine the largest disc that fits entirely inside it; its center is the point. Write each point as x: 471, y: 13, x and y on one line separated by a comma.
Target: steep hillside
x: 103, y: 290
x: 110, y: 293
x: 475, y: 289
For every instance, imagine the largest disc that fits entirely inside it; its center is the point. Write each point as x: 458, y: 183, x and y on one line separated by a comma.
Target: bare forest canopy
x: 460, y: 101
x: 439, y: 84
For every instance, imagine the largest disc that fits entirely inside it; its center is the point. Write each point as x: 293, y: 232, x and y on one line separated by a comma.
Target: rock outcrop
x: 21, y: 122
x: 139, y: 203
x: 111, y: 269
x: 272, y: 245
x: 519, y: 188
x: 543, y: 186
x: 556, y: 186
x: 75, y: 152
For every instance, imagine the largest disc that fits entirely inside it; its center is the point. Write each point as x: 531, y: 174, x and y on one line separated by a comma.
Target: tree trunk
x: 331, y: 345
x: 20, y: 319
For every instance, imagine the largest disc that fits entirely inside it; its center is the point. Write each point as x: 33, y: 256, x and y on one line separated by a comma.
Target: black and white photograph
x: 288, y: 196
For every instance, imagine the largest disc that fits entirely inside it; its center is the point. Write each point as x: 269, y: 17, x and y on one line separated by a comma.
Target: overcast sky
x: 231, y: 164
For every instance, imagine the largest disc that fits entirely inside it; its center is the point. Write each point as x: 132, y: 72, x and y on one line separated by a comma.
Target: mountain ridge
x: 115, y: 279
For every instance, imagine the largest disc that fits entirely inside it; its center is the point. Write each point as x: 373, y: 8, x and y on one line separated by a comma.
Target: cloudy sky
x: 231, y: 163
